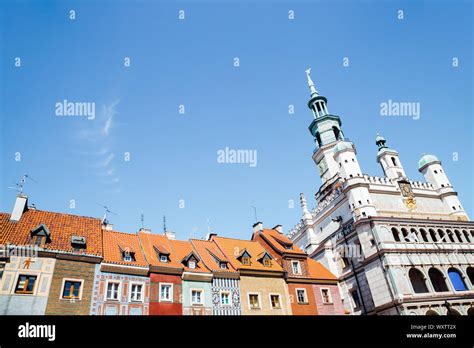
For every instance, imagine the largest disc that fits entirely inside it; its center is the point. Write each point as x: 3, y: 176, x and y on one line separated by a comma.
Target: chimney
x: 258, y: 226
x: 144, y: 230
x: 278, y: 228
x: 21, y: 205
x: 107, y: 226
x: 210, y: 236
x: 170, y: 235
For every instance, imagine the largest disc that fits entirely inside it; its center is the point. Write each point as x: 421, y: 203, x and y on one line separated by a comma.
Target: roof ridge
x: 61, y: 213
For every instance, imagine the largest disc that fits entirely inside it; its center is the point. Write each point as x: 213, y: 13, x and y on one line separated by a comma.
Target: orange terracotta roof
x: 7, y: 228
x: 233, y: 247
x: 151, y: 242
x: 62, y: 227
x: 208, y: 252
x: 318, y: 271
x: 182, y: 249
x: 115, y: 243
x: 178, y: 250
x: 279, y: 241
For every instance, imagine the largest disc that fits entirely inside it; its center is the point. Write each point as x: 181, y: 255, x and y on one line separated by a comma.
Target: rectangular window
x: 113, y: 291
x: 166, y: 292
x: 163, y: 258
x: 72, y: 289
x: 136, y: 292
x: 275, y: 301
x: 355, y: 298
x: 223, y: 265
x: 192, y: 264
x: 25, y: 284
x: 196, y: 297
x: 39, y: 241
x: 225, y: 298
x: 326, y: 295
x: 296, y: 267
x: 254, y: 302
x: 267, y: 262
x: 2, y: 268
x: 301, y: 296
x: 245, y: 261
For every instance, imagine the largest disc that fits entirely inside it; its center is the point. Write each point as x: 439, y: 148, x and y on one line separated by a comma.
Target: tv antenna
x: 209, y: 228
x: 255, y: 213
x: 164, y: 223
x: 107, y: 211
x: 19, y: 185
x: 142, y: 218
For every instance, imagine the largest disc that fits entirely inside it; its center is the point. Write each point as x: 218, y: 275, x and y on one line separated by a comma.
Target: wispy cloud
x: 100, y: 136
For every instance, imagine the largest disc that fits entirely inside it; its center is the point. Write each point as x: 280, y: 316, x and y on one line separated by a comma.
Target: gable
x: 41, y: 230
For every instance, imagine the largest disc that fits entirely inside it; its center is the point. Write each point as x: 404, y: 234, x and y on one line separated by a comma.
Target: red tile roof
x: 7, y: 228
x: 283, y: 245
x: 280, y: 242
x: 62, y: 227
x: 232, y: 248
x: 115, y: 243
x: 178, y: 250
x: 318, y: 271
x: 211, y: 255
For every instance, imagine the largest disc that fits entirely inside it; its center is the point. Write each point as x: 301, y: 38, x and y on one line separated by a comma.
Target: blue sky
x: 173, y: 157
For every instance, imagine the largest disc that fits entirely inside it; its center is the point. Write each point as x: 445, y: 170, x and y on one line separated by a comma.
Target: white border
x: 119, y: 291
x: 322, y: 297
x: 130, y: 291
x: 305, y: 296
x: 80, y: 289
x: 259, y: 300
x: 299, y: 267
x: 191, y: 297
x: 279, y: 300
x: 171, y: 292
x: 230, y: 298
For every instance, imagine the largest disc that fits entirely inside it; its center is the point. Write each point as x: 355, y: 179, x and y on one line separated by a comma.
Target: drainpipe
x: 391, y: 282
x: 355, y: 273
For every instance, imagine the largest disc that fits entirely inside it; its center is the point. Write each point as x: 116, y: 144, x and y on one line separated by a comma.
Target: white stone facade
x: 398, y: 246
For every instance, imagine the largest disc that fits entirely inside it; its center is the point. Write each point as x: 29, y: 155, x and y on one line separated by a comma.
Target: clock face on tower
x: 323, y: 166
x: 405, y: 187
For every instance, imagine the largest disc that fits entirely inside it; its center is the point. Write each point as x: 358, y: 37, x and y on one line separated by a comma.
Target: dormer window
x: 40, y: 236
x: 128, y: 256
x: 223, y: 265
x: 78, y: 243
x: 192, y: 264
x: 163, y: 258
x: 244, y: 257
x: 295, y: 265
x: 265, y: 258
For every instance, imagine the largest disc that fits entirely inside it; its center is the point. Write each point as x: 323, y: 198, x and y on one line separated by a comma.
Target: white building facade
x: 398, y: 247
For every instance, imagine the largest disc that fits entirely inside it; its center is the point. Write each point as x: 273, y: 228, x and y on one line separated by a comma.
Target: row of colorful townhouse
x: 62, y: 264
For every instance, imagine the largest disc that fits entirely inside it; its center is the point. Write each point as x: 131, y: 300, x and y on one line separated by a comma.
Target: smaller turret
x: 389, y: 159
x: 431, y: 168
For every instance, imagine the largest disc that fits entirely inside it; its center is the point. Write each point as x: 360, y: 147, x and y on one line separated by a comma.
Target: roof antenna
x: 142, y: 218
x: 209, y: 228
x: 19, y: 185
x: 107, y: 211
x: 255, y: 213
x: 164, y: 223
